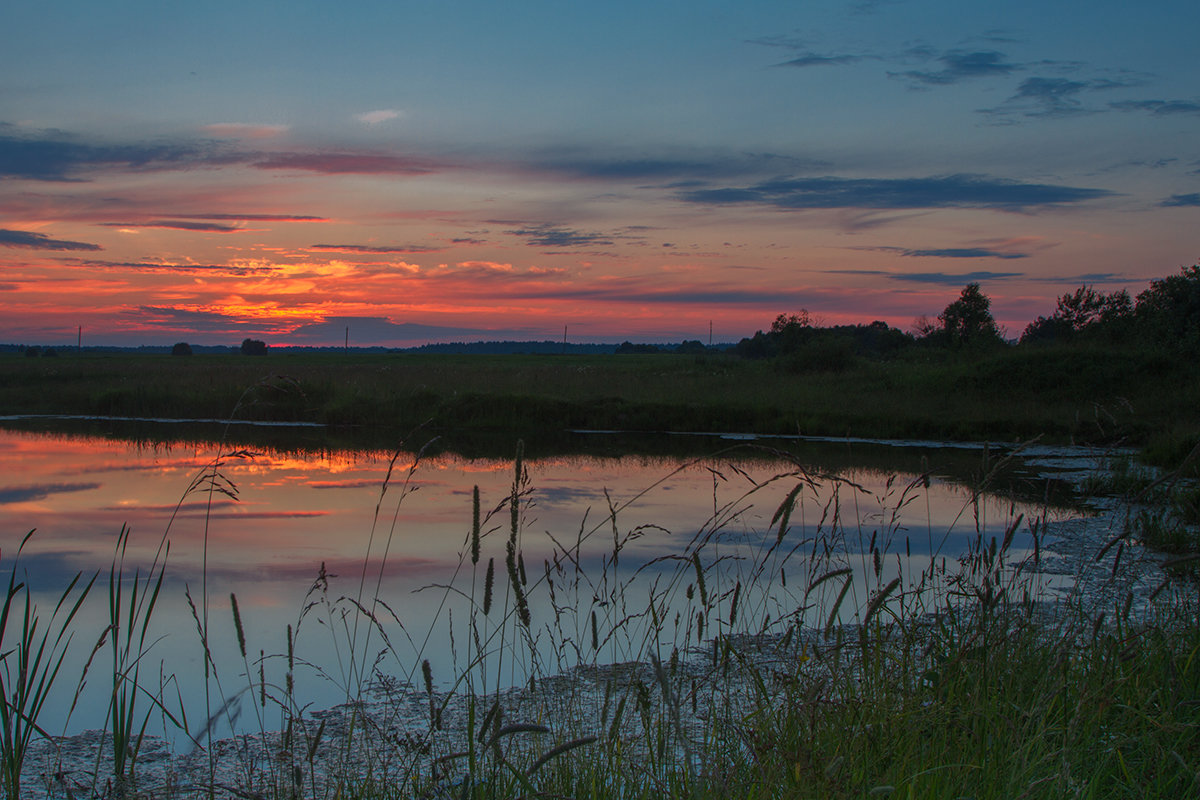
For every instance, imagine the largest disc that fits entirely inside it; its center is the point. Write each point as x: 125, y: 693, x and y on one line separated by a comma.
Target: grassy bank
x: 781, y: 651
x: 1081, y: 394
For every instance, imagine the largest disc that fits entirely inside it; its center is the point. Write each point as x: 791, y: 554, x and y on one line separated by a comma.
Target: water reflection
x: 292, y: 533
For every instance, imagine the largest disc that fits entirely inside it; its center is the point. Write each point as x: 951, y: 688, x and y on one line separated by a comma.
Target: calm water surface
x: 265, y: 525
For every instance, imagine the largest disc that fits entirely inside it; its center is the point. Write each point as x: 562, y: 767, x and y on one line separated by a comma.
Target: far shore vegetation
x: 1102, y: 368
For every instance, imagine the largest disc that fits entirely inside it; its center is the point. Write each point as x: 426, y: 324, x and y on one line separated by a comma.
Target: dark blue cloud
x: 1056, y: 96
x: 816, y: 60
x: 952, y: 252
x: 806, y: 56
x: 951, y: 191
x: 671, y: 167
x: 960, y: 65
x: 53, y: 156
x: 1159, y: 108
x: 942, y: 278
x: 960, y: 278
x: 1042, y: 97
x: 555, y: 236
x: 955, y: 279
x: 1181, y: 200
x: 56, y: 156
x: 178, y: 225
x: 25, y: 494
x: 40, y: 241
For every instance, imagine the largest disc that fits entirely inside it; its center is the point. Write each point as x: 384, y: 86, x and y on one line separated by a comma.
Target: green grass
x: 713, y: 679
x: 1064, y: 394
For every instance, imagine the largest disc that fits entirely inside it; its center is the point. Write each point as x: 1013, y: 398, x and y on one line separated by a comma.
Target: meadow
x: 1079, y: 393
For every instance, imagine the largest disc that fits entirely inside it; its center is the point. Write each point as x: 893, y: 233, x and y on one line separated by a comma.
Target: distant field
x: 1082, y: 395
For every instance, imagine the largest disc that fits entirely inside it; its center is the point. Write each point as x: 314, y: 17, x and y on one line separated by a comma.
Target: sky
x: 400, y: 173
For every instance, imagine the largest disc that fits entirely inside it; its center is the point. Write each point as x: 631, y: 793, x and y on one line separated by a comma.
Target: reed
x: 32, y: 650
x: 130, y: 609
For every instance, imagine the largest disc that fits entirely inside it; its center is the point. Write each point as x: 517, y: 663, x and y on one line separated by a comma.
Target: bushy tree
x: 1084, y: 310
x: 254, y: 347
x: 1168, y: 313
x: 182, y: 349
x: 968, y: 320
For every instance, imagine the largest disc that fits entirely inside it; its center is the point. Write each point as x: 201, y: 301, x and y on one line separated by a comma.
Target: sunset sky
x: 466, y: 170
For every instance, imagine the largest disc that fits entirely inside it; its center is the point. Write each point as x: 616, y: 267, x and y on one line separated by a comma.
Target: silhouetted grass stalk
x: 32, y: 651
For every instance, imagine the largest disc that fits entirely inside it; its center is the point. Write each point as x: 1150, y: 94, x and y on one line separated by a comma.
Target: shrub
x: 254, y: 347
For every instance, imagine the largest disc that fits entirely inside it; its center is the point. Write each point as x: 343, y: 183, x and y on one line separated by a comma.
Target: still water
x: 316, y: 544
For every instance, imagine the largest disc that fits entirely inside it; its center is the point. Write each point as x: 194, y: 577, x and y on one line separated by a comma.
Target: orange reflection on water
x: 262, y: 526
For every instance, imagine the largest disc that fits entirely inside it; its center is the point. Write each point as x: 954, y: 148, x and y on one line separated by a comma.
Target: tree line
x: 1164, y: 317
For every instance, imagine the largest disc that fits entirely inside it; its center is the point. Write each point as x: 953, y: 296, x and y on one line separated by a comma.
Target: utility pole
x: 710, y: 333
x: 564, y: 338
x: 347, y: 340
x: 79, y: 341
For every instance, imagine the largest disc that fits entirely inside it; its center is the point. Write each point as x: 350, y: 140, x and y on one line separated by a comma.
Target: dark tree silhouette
x: 254, y: 347
x: 181, y: 349
x: 1168, y: 313
x: 968, y: 320
x: 1084, y: 310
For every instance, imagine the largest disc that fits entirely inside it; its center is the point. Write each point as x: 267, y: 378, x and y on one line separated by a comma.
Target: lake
x: 362, y: 559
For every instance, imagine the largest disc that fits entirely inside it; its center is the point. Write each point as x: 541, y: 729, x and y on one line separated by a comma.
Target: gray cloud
x: 960, y: 65
x: 1181, y: 200
x: 40, y: 241
x: 951, y: 191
